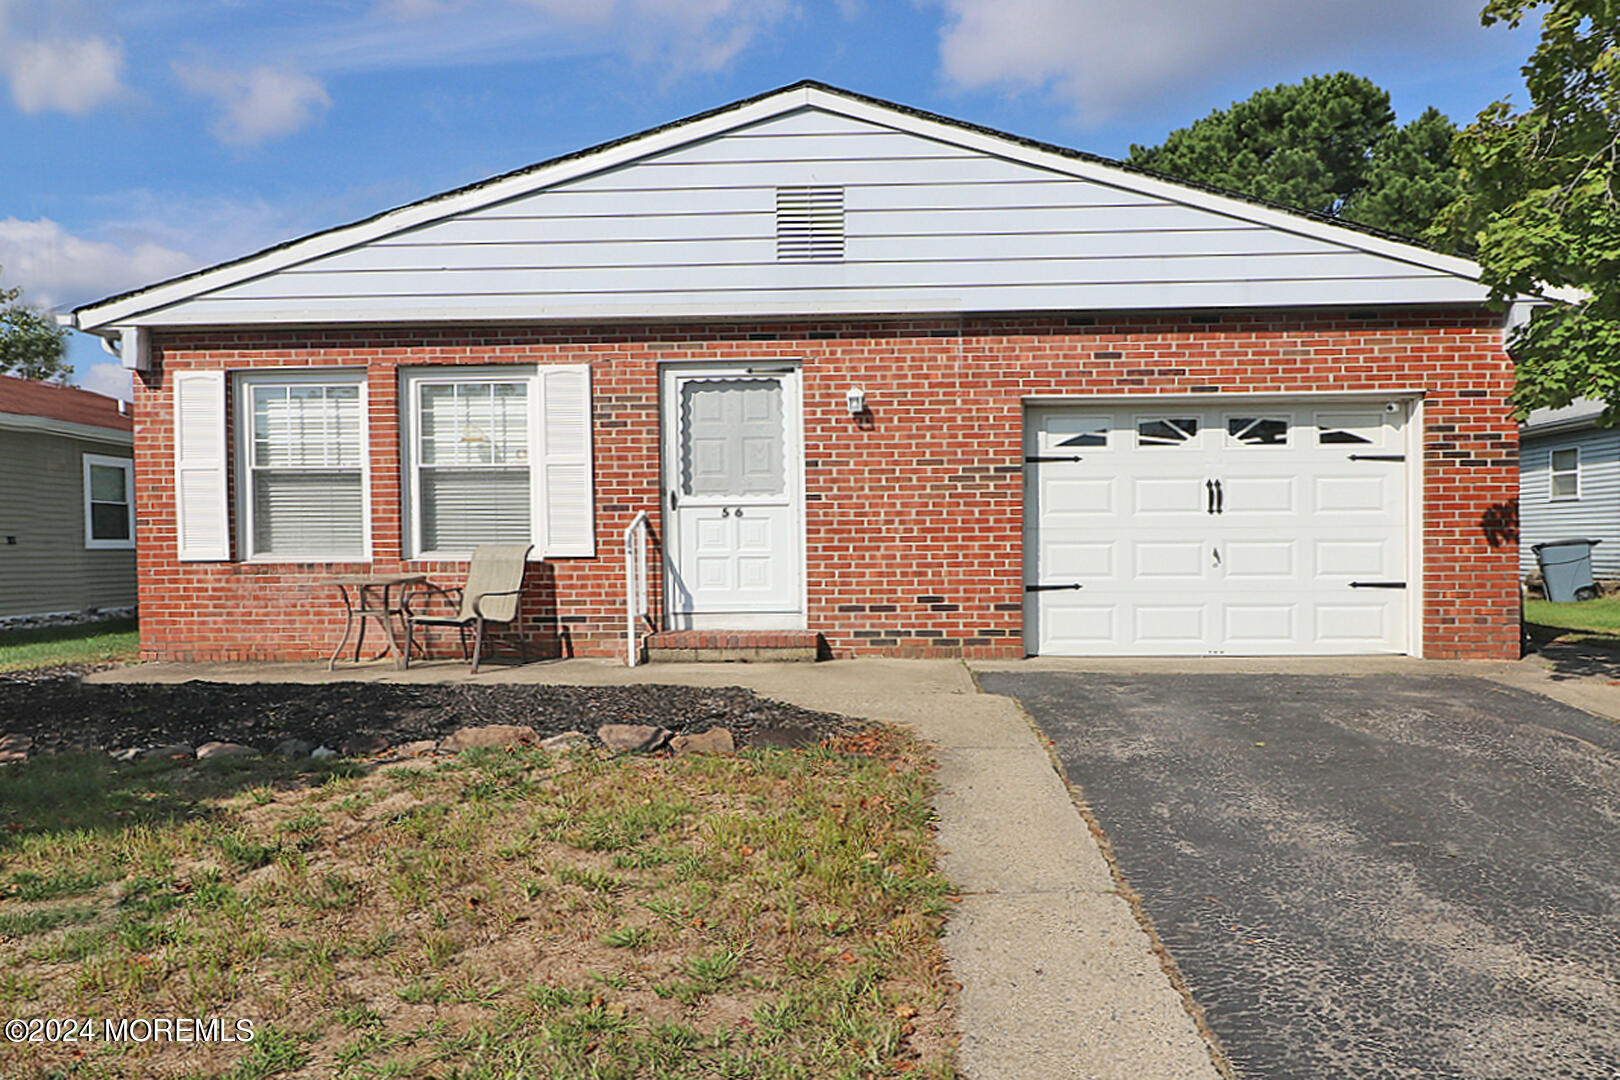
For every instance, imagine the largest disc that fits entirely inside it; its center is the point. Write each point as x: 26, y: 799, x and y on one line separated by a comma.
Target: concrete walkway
x: 1059, y: 982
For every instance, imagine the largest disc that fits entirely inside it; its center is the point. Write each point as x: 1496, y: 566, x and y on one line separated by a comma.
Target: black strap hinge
x: 1050, y: 588
x: 1377, y: 457
x: 1074, y: 457
x: 1378, y: 584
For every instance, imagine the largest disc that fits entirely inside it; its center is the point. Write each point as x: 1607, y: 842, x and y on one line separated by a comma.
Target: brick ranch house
x: 916, y: 386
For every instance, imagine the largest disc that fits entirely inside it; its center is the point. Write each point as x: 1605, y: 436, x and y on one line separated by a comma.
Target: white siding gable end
x: 682, y: 222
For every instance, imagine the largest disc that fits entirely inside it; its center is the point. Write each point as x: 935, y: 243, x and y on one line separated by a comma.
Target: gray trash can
x: 1566, y: 569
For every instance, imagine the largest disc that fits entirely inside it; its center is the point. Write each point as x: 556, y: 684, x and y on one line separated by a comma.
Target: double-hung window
x: 498, y: 456
x: 109, y: 502
x: 302, y: 481
x: 1564, y: 474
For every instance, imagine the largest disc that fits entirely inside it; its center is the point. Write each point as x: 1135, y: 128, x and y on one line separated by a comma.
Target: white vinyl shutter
x: 202, y: 518
x: 569, y: 528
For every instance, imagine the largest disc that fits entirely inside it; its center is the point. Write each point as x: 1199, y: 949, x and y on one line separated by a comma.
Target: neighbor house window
x: 303, y: 474
x: 498, y: 456
x: 1564, y: 481
x: 109, y: 502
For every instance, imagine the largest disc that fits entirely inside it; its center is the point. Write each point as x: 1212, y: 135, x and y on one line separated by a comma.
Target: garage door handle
x: 1220, y: 498
x: 1378, y: 584
x: 1209, y: 490
x: 1050, y: 588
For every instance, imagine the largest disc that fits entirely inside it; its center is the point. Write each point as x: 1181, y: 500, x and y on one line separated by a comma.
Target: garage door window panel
x: 1349, y: 428
x: 1076, y: 433
x: 1257, y: 430
x: 1167, y: 431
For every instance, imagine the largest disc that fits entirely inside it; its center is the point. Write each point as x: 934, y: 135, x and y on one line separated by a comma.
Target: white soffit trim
x: 527, y: 182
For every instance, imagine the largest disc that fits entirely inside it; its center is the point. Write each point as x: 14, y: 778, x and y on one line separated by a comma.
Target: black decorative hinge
x: 1378, y: 584
x: 1075, y: 457
x: 1377, y: 457
x: 1050, y: 588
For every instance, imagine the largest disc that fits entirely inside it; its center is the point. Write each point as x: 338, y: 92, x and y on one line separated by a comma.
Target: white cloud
x: 67, y: 75
x: 263, y: 103
x: 1109, y: 57
x: 56, y: 268
x: 52, y: 62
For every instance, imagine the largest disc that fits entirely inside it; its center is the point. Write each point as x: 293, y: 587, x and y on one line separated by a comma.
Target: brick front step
x: 716, y: 646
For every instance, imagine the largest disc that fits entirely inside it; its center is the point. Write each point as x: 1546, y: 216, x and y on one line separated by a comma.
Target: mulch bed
x: 61, y: 713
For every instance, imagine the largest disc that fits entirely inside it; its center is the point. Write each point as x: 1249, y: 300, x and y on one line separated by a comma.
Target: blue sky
x: 145, y: 138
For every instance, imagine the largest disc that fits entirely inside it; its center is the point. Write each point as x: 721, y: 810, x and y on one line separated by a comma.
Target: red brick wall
x: 914, y: 519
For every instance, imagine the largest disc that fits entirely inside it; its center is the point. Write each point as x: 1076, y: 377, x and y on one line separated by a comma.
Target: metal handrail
x: 636, y: 601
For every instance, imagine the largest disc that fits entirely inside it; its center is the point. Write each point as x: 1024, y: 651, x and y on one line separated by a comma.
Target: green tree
x: 1540, y: 202
x: 1327, y: 144
x: 31, y: 344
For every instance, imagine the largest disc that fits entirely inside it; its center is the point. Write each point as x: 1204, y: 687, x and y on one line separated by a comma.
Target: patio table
x: 370, y: 600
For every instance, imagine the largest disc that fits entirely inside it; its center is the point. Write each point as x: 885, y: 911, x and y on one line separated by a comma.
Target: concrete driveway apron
x: 1374, y: 876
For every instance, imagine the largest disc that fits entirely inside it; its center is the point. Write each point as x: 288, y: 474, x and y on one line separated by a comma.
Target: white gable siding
x: 931, y: 226
x: 1596, y: 514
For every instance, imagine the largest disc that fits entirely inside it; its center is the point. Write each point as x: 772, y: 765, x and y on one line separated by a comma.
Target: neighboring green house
x: 67, y: 502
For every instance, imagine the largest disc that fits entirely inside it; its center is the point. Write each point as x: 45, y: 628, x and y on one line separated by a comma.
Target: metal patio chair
x: 491, y: 594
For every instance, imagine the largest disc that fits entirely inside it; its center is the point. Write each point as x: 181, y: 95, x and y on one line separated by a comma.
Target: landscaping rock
x: 784, y: 738
x: 225, y: 750
x: 362, y: 745
x: 417, y: 748
x: 128, y: 753
x: 321, y: 753
x: 15, y: 748
x: 164, y: 753
x: 565, y: 741
x: 62, y: 714
x: 714, y: 741
x: 632, y: 737
x: 294, y: 748
x: 498, y: 735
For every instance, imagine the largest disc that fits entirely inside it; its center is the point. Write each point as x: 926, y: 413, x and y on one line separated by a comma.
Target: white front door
x: 733, y: 468
x: 1246, y: 529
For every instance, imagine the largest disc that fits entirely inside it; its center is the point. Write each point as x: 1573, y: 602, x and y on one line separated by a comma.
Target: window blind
x: 305, y: 470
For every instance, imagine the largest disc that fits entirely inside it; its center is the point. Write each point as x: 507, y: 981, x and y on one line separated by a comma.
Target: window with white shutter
x: 499, y: 455
x: 303, y: 466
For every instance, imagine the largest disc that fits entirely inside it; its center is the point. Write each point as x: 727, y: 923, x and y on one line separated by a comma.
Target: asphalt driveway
x: 1377, y: 876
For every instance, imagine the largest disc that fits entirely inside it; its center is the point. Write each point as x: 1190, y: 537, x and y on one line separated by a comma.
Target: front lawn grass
x: 502, y: 914
x: 113, y: 641
x: 1595, y: 622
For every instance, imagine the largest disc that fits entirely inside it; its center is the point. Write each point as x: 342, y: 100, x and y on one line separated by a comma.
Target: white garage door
x: 1237, y: 529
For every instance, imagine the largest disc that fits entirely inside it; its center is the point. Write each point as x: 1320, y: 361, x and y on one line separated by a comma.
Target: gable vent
x: 809, y: 224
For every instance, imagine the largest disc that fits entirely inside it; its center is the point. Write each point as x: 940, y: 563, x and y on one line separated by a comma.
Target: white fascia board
x: 47, y: 426
x: 433, y: 209
x: 144, y: 308
x: 1147, y: 185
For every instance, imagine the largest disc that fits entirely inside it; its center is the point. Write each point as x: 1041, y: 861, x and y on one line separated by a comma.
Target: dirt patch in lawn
x: 61, y: 713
